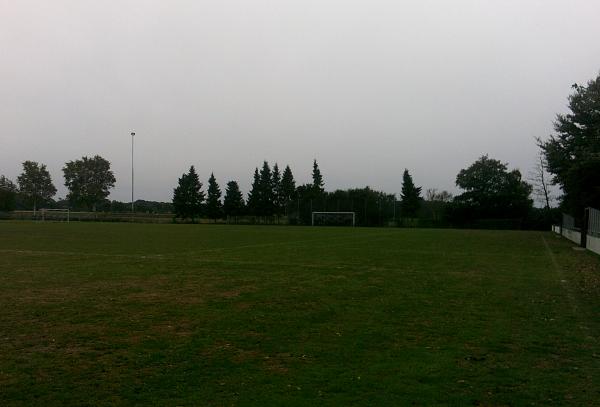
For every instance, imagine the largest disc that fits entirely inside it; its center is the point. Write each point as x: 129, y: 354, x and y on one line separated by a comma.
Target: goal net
x: 60, y: 215
x: 333, y: 218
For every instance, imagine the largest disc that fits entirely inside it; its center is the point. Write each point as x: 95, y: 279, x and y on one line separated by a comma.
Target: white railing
x: 593, y: 222
x: 588, y: 236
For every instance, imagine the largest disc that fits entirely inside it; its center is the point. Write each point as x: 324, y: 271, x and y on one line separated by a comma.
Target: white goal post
x: 55, y: 214
x: 334, y: 218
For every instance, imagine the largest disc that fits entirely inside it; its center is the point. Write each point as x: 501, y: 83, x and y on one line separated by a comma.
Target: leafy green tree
x: 35, y: 183
x: 188, y: 196
x: 266, y: 195
x: 253, y: 203
x: 318, y: 183
x: 8, y: 194
x: 573, y: 153
x: 89, y: 181
x: 233, y: 203
x: 214, y: 208
x: 411, y: 196
x: 491, y: 191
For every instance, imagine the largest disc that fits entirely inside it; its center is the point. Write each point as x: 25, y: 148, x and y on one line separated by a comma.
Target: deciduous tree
x: 89, y: 181
x: 573, y: 152
x: 8, y: 194
x: 35, y: 183
x: 491, y: 191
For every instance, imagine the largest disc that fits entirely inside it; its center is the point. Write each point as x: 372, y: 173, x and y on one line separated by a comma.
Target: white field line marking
x: 82, y: 254
x: 561, y: 278
x: 291, y: 242
x: 180, y: 254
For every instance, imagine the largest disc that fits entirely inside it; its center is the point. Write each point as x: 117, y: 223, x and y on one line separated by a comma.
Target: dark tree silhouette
x: 318, y: 183
x: 8, y: 194
x: 214, y: 208
x: 233, y: 203
x: 491, y: 191
x: 573, y: 152
x: 35, y: 183
x: 188, y: 196
x: 411, y: 196
x: 253, y: 202
x: 266, y: 195
x: 89, y: 181
x: 276, y: 191
x: 288, y: 188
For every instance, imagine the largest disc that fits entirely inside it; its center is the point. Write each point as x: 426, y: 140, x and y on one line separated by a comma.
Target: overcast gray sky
x: 366, y: 87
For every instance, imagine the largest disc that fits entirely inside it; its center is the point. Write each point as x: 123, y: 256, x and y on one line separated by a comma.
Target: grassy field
x: 102, y: 314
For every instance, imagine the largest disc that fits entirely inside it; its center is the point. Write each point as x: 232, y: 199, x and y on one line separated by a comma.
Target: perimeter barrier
x: 586, y: 234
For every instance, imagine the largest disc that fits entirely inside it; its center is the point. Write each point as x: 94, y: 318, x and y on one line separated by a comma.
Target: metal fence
x: 568, y: 222
x: 593, y: 222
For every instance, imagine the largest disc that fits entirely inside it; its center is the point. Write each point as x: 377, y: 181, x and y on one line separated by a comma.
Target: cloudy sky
x: 365, y: 87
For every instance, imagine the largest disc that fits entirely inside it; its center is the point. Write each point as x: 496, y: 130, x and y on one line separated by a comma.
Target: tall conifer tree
x: 233, y: 203
x: 288, y: 186
x: 411, y: 196
x: 253, y: 202
x: 318, y: 184
x: 213, y: 200
x: 276, y: 188
x: 188, y: 196
x: 266, y: 207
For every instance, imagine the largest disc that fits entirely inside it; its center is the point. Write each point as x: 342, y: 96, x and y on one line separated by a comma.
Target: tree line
x: 491, y: 191
x: 569, y: 159
x: 88, y: 180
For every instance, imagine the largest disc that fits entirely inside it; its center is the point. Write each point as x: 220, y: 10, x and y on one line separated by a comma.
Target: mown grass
x: 130, y: 314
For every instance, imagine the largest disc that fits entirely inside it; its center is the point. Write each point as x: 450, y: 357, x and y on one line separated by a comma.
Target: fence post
x: 584, y: 227
x: 560, y: 227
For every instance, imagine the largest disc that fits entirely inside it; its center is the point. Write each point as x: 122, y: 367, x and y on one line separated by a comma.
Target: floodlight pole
x: 132, y: 136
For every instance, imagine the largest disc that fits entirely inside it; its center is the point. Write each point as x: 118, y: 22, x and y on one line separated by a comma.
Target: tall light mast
x: 132, y: 205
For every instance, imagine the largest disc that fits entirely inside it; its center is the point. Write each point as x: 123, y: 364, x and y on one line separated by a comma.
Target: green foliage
x: 233, y: 203
x: 188, y: 196
x: 573, y: 153
x: 89, y: 181
x: 214, y: 208
x: 254, y: 195
x: 317, y: 178
x: 277, y: 193
x: 36, y: 184
x: 411, y: 196
x: 491, y: 191
x: 141, y: 206
x: 266, y: 193
x: 288, y: 186
x: 8, y: 194
x: 372, y: 208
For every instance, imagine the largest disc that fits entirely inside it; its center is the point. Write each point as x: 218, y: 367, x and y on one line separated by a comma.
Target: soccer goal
x: 59, y: 215
x: 333, y: 218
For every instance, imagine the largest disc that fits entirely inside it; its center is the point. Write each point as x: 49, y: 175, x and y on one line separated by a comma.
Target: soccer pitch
x: 103, y: 314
